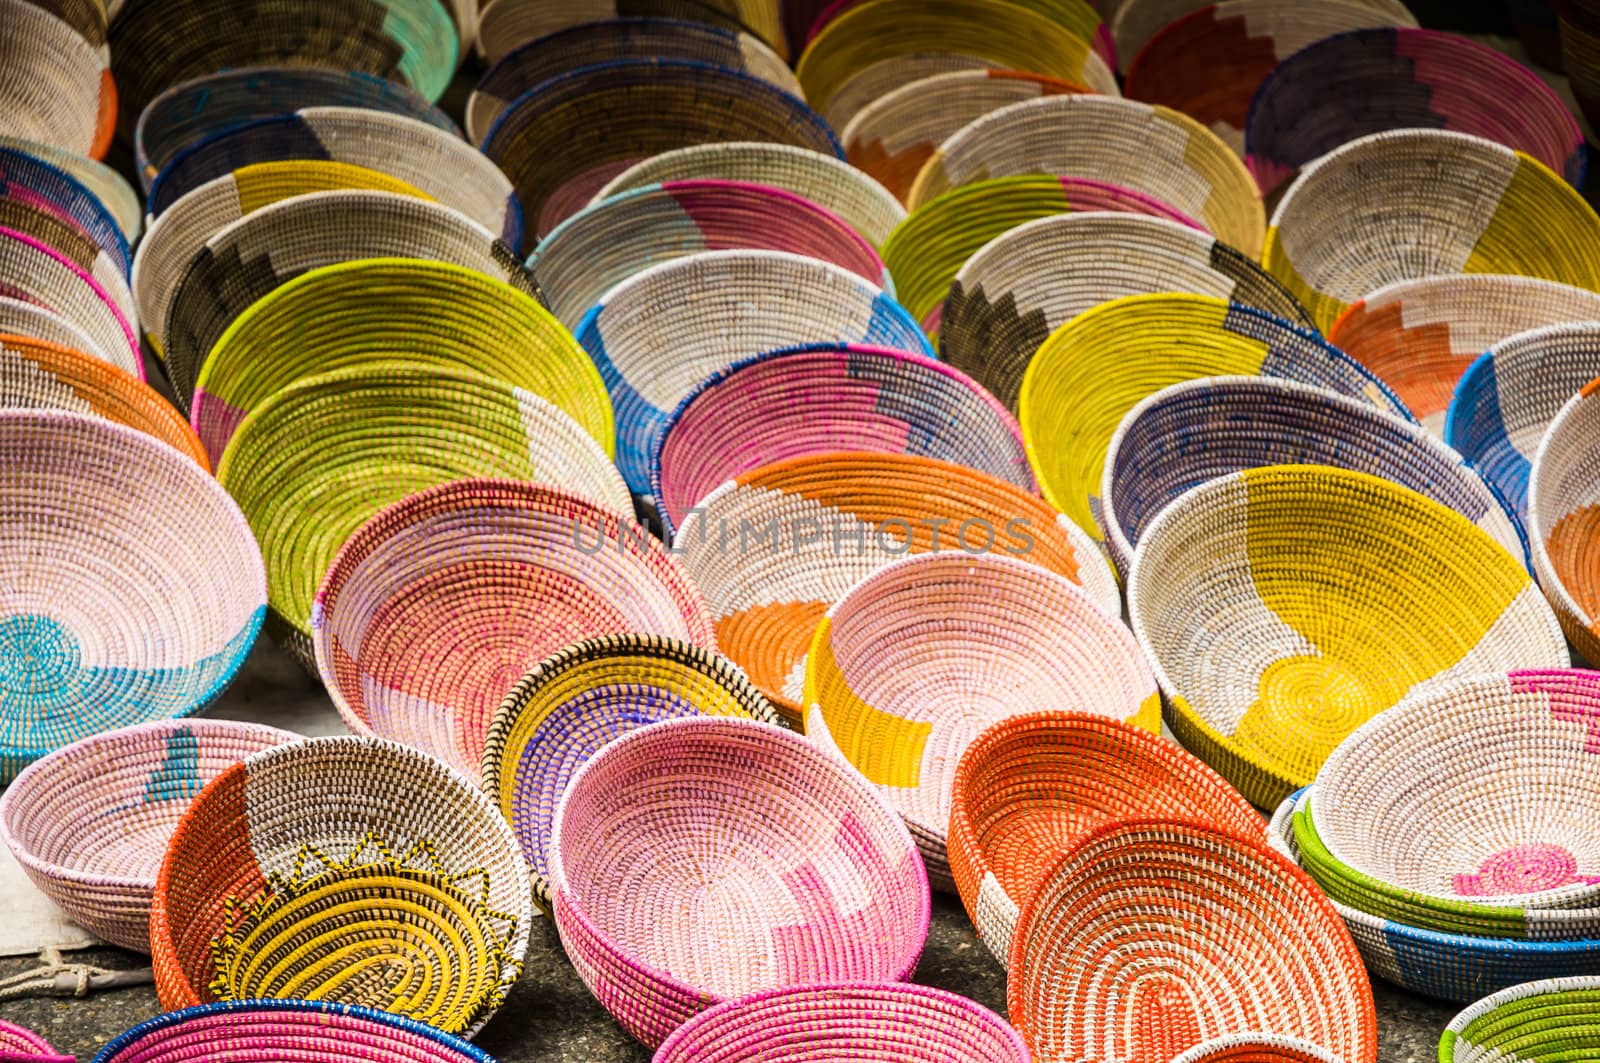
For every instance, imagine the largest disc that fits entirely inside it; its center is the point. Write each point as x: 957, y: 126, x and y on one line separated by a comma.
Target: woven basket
x: 37, y: 374
x: 1160, y: 152
x: 27, y: 180
x: 579, y: 46
x: 773, y: 549
x: 345, y: 869
x: 1269, y: 603
x: 57, y: 88
x: 810, y: 875
x: 580, y: 698
x: 917, y: 659
x: 22, y: 1045
x: 440, y: 603
x: 824, y: 180
x: 1151, y: 937
x: 881, y: 46
x: 826, y: 399
x: 372, y: 310
x: 1508, y: 397
x: 120, y: 533
x: 930, y: 247
x: 1197, y: 431
x: 1579, y: 30
x: 609, y: 116
x: 657, y: 335
x: 893, y: 136
x: 511, y: 24
x: 88, y: 18
x: 1564, y: 518
x: 198, y: 109
x: 1094, y: 369
x: 255, y: 255
x: 299, y: 1029
x: 602, y: 245
x: 1422, y: 202
x: 18, y: 318
x: 1257, y: 1048
x: 856, y: 1021
x: 1552, y: 1019
x: 90, y: 822
x: 36, y: 273
x: 1210, y: 63
x: 1420, y: 336
x: 360, y: 439
x: 23, y: 216
x: 174, y: 239
x: 108, y: 186
x: 1080, y: 17
x: 1026, y: 283
x: 1134, y: 23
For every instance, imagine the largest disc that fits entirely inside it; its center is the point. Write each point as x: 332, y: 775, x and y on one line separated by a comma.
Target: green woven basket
x: 1552, y: 1021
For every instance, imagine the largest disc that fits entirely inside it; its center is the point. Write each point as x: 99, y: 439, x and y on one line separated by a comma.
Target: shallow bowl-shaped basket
x: 1564, y: 518
x: 19, y: 318
x: 360, y: 439
x: 606, y: 243
x: 37, y: 273
x: 22, y: 1045
x: 1029, y: 281
x: 89, y: 823
x: 1202, y: 429
x: 377, y: 309
x: 440, y: 603
x: 863, y: 1020
x: 107, y: 185
x: 1551, y: 1019
x: 1420, y: 336
x: 1257, y: 1048
x: 202, y: 107
x: 303, y: 856
x: 514, y: 23
x: 1082, y: 19
x: 57, y: 87
x: 773, y: 549
x: 112, y: 532
x: 1283, y: 607
x: 580, y: 698
x: 272, y: 246
x: 575, y: 47
x: 67, y: 239
x: 29, y: 181
x: 1507, y: 398
x: 911, y: 665
x: 825, y: 399
x: 1422, y: 202
x: 611, y: 115
x: 1098, y: 366
x: 796, y: 870
x: 1032, y: 787
x: 1135, y: 23
x: 88, y: 18
x: 1155, y: 150
x: 1153, y: 936
x: 661, y: 332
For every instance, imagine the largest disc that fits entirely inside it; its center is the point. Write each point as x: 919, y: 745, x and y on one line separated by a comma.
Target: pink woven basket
x: 702, y: 859
x: 18, y: 1044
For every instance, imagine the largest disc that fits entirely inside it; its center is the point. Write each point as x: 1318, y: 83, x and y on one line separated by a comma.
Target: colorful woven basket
x: 1080, y: 17
x: 29, y: 181
x: 823, y: 179
x: 57, y: 88
x: 580, y: 698
x: 507, y: 25
x: 1552, y: 1020
x: 1368, y: 214
x: 88, y: 18
x: 251, y: 1031
x: 606, y: 243
x: 1210, y: 63
x: 1564, y: 518
x: 1151, y: 937
x: 202, y: 107
x: 1257, y: 1048
x: 378, y: 309
x: 826, y: 399
x: 120, y: 533
x: 22, y: 1045
x: 343, y: 869
x: 1134, y: 23
x: 930, y: 247
x: 1029, y: 281
x: 89, y: 823
x: 657, y: 335
x: 893, y: 136
x: 1197, y: 431
x: 811, y: 876
x: 1267, y: 600
x: 108, y: 186
x: 1508, y: 397
x: 1094, y: 369
x: 360, y: 439
x: 1420, y: 336
x: 579, y: 46
x: 1160, y: 152
x: 18, y: 318
x: 773, y: 549
x: 36, y: 273
x: 255, y: 255
x: 68, y: 241
x: 1032, y: 787
x: 824, y: 1024
x: 441, y: 602
x: 609, y: 116
x: 905, y: 672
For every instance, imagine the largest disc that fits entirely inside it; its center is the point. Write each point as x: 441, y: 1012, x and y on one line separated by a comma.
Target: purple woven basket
x: 18, y: 1044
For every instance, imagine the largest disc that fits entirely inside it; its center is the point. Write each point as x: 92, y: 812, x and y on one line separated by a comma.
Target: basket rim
x: 120, y: 249
x: 1557, y: 432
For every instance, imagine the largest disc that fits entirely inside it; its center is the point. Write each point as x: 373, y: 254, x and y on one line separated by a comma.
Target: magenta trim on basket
x: 18, y: 1044
x: 94, y: 285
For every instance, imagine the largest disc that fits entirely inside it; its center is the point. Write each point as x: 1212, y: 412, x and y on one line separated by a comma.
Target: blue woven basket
x: 36, y: 181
